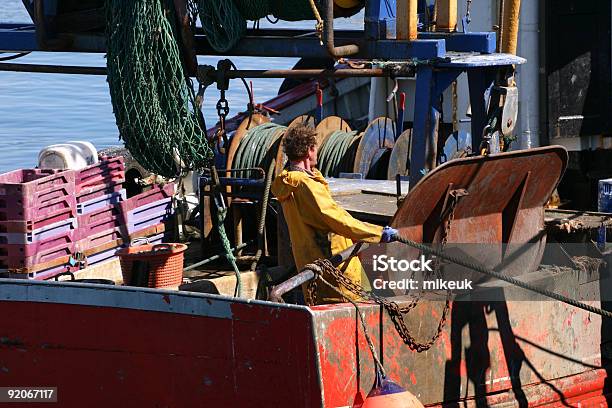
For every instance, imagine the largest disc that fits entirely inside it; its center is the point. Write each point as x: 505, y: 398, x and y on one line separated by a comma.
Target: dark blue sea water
x: 37, y: 110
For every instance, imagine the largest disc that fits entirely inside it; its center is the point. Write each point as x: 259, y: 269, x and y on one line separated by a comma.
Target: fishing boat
x: 535, y: 333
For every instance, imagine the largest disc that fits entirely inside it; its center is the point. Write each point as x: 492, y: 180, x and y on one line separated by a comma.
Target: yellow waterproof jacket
x: 319, y: 227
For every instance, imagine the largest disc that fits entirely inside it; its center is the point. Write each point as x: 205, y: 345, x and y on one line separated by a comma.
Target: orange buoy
x: 387, y: 394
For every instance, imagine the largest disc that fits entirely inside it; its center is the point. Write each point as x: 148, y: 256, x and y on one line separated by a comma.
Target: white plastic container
x: 68, y: 156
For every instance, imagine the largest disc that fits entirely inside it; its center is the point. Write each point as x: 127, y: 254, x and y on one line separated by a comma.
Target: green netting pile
x: 153, y: 102
x: 225, y: 21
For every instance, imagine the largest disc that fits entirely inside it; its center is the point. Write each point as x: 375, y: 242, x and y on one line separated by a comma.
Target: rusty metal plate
x: 504, y: 207
x: 399, y: 161
x: 376, y: 143
x: 281, y: 158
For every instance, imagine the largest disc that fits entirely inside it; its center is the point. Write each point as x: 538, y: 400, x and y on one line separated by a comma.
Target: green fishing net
x: 153, y: 100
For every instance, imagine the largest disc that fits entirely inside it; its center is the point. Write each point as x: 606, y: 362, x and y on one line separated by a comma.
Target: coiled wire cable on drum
x: 337, y: 153
x: 256, y: 149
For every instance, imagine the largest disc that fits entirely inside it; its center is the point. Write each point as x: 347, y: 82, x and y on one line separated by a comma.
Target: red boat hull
x: 113, y: 346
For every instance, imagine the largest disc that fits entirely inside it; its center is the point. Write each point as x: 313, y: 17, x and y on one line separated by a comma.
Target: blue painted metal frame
x: 431, y: 82
x: 18, y: 37
x: 379, y: 19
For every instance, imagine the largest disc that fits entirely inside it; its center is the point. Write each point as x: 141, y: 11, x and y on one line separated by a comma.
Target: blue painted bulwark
x: 405, y: 50
x: 465, y: 42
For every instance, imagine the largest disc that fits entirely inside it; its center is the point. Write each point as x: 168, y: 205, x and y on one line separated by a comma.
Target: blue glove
x: 388, y: 234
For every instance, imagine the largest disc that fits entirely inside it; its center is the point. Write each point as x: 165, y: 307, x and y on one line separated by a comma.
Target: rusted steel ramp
x: 496, y: 202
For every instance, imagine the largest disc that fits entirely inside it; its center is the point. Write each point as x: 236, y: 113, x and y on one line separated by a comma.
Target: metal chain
x: 323, y: 267
x: 455, y: 118
x: 488, y: 131
x: 222, y: 112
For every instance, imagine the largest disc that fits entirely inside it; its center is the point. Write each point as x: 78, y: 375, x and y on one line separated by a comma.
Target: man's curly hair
x: 298, y: 140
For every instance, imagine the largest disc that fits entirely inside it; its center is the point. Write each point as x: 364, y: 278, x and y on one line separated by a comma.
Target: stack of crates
x: 99, y: 189
x: 54, y: 221
x: 38, y: 226
x: 108, y: 228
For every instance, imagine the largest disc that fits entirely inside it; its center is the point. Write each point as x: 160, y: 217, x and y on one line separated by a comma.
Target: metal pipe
x: 52, y: 69
x: 241, y: 182
x: 215, y: 257
x: 307, y: 274
x: 311, y: 73
x: 348, y: 253
x: 279, y: 290
x: 328, y: 35
x: 234, y: 74
x: 399, y: 122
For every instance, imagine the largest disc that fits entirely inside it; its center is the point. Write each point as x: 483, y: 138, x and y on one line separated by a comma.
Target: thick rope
x: 227, y: 247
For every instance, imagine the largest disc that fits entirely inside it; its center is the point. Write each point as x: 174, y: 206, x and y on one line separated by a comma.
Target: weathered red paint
x: 101, y: 356
x: 430, y: 375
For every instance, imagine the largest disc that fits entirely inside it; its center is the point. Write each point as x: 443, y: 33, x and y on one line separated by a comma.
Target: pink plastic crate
x: 23, y: 227
x: 39, y: 234
x: 15, y: 251
x: 88, y: 242
x: 149, y: 215
x: 97, y: 192
x: 102, y: 253
x: 26, y: 263
x: 155, y: 194
x: 100, y: 215
x: 31, y: 194
x: 108, y: 171
x: 44, y: 274
x: 100, y: 202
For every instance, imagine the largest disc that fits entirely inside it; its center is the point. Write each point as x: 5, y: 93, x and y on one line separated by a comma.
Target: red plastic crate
x: 107, y: 172
x: 150, y: 196
x: 30, y: 194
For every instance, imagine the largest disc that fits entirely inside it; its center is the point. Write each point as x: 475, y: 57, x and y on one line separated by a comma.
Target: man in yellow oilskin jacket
x: 318, y: 226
